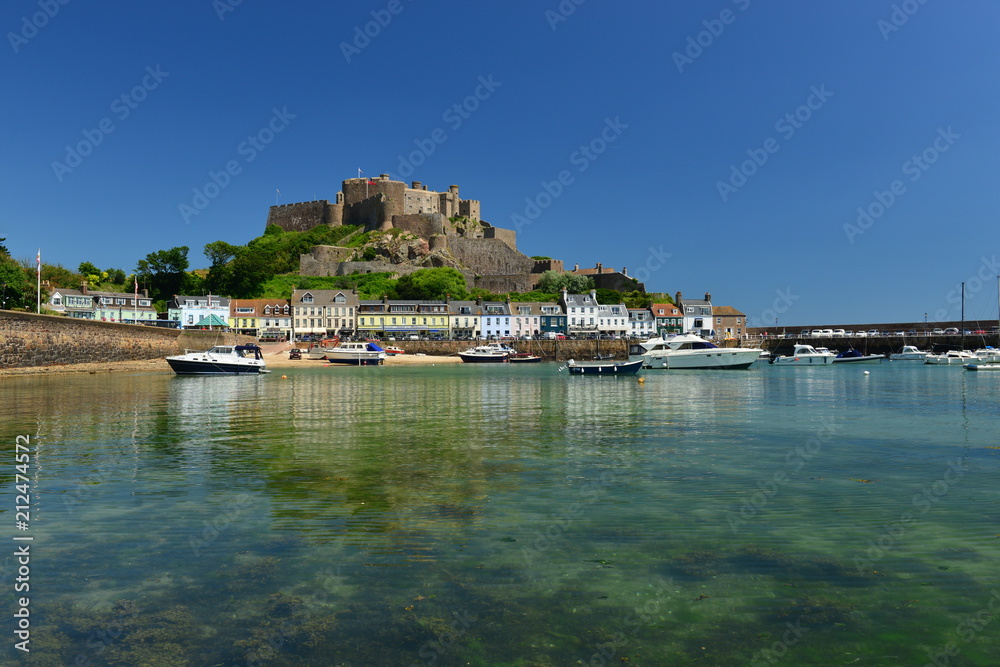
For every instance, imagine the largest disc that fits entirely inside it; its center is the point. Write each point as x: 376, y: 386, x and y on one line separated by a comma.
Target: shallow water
x: 511, y: 515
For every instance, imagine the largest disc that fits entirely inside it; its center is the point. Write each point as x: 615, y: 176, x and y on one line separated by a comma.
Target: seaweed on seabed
x: 166, y: 638
x: 783, y: 566
x: 286, y: 630
x: 698, y: 564
x: 252, y: 575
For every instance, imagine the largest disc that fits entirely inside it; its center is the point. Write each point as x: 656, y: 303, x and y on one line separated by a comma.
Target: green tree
x: 608, y: 296
x: 433, y: 283
x: 88, y: 269
x: 164, y: 271
x: 555, y: 281
x: 16, y: 289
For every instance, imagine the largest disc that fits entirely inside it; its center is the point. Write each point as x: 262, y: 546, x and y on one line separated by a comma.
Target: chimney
x: 415, y: 186
x: 625, y: 271
x: 708, y: 297
x: 83, y: 287
x: 145, y: 292
x: 600, y: 268
x: 576, y: 267
x: 677, y: 299
x: 479, y: 300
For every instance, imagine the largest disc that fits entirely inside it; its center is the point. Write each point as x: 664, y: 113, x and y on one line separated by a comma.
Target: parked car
x: 979, y: 332
x: 951, y: 331
x: 838, y: 333
x: 295, y: 353
x: 938, y: 332
x: 873, y: 332
x: 900, y: 333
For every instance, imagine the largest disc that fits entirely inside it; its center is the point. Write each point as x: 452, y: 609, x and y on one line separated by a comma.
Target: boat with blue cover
x: 612, y: 368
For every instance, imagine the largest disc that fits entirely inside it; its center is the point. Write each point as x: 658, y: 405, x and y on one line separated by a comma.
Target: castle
x: 448, y: 229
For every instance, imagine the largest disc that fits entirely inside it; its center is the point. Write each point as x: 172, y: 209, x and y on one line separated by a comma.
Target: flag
x: 359, y: 172
x: 38, y: 261
x: 278, y: 191
x: 371, y: 181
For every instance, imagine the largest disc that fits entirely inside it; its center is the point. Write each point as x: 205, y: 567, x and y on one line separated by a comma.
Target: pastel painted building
x: 324, y: 312
x: 669, y: 319
x: 197, y: 312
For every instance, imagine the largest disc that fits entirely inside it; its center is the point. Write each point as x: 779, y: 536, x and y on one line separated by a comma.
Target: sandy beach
x: 276, y: 357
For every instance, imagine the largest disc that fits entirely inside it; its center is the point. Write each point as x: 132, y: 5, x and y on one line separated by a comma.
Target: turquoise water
x: 511, y: 515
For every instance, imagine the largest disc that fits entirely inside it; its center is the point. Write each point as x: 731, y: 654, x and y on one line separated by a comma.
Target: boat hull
x: 354, y: 359
x: 818, y: 360
x: 721, y: 358
x: 867, y: 359
x: 483, y: 358
x: 191, y: 367
x: 623, y: 368
x: 982, y: 367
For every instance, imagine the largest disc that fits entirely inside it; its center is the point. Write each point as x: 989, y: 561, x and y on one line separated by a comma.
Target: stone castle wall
x: 303, y: 216
x: 489, y: 257
x: 322, y: 260
x: 424, y: 225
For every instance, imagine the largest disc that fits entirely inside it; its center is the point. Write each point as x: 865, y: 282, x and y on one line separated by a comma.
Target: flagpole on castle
x: 38, y: 282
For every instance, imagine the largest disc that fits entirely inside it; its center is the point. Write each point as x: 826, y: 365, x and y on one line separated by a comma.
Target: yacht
x: 806, y: 355
x: 853, y: 356
x: 355, y: 352
x: 220, y: 360
x: 691, y: 351
x: 490, y: 353
x: 952, y: 358
x: 909, y: 353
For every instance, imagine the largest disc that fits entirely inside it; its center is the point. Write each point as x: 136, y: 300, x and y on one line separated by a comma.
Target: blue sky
x: 721, y: 146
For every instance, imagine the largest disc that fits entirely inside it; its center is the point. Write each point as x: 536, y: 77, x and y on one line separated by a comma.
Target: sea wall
x: 27, y: 339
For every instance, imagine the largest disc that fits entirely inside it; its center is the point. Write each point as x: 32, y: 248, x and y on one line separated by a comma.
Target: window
x: 307, y: 298
x: 340, y: 298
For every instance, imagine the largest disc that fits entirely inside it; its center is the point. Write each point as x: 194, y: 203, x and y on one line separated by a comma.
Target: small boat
x: 952, y: 358
x: 220, y: 360
x: 392, y: 350
x: 982, y: 367
x: 524, y: 358
x: 357, y: 353
x: 490, y: 353
x: 909, y: 353
x: 987, y: 355
x: 855, y: 357
x: 805, y: 355
x: 691, y: 351
x: 614, y: 368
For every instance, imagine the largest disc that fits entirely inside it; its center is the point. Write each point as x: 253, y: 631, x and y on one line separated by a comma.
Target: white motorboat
x: 490, y: 353
x: 690, y: 351
x: 805, y: 355
x: 357, y: 353
x: 220, y: 360
x: 952, y: 358
x: 987, y: 355
x: 909, y: 353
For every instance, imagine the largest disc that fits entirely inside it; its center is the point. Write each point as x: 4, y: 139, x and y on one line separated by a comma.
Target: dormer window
x: 340, y: 298
x: 307, y: 298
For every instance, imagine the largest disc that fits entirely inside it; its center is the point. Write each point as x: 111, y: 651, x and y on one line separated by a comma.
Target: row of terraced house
x: 325, y: 313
